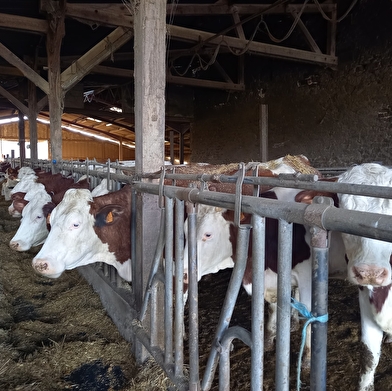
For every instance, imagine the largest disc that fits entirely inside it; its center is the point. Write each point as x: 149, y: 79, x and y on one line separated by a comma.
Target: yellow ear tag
x: 109, y: 218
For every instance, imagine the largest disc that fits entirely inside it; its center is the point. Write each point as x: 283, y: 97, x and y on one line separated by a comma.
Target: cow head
x: 214, y: 250
x: 85, y: 230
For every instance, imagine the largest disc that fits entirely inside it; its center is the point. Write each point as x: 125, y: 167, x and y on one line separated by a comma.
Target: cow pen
x: 139, y: 315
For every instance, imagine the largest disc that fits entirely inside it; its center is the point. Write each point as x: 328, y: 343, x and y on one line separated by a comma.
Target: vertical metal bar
x: 169, y: 204
x: 229, y: 303
x: 154, y: 315
x: 282, y: 374
x: 318, y: 368
x: 258, y: 262
x: 194, y: 378
x: 179, y: 289
x: 136, y: 283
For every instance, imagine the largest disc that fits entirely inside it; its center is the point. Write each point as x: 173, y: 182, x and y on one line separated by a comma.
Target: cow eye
x: 75, y: 225
x: 207, y: 235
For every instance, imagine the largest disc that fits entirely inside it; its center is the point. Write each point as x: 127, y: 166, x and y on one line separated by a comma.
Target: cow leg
x: 371, y: 340
x: 270, y: 330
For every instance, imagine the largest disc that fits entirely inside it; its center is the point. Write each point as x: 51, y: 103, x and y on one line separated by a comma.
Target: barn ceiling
x: 207, y: 44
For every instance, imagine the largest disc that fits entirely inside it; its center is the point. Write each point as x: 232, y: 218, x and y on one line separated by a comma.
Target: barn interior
x: 317, y: 66
x: 245, y: 81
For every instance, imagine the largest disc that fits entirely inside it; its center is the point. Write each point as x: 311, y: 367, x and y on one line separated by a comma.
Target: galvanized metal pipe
x: 169, y: 234
x: 179, y: 289
x: 235, y: 332
x: 371, y: 225
x: 282, y: 371
x: 318, y: 372
x: 229, y: 303
x: 194, y: 377
x: 258, y: 266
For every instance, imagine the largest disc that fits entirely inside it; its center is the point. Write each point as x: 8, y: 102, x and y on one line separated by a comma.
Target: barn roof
x: 207, y: 43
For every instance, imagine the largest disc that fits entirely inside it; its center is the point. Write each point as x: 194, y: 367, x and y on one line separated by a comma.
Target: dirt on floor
x: 56, y: 335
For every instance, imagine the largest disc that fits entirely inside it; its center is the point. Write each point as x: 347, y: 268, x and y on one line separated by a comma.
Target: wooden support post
x: 22, y: 138
x: 56, y: 14
x: 150, y: 49
x: 32, y: 115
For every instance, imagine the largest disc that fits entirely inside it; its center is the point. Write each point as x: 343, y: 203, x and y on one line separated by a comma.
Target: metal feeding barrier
x: 142, y: 323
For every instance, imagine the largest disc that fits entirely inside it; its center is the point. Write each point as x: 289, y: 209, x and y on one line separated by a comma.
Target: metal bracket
x: 161, y: 199
x: 238, y: 194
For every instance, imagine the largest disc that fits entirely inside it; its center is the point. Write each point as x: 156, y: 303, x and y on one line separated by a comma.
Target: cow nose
x: 371, y: 275
x: 14, y: 245
x: 40, y: 265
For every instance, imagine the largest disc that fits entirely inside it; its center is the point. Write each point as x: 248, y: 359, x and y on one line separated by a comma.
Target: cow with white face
x: 216, y: 247
x: 369, y: 267
x: 86, y: 229
x: 32, y: 230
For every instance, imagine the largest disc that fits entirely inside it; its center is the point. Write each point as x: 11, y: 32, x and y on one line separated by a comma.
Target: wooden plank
x: 25, y: 69
x: 23, y: 23
x: 100, y: 52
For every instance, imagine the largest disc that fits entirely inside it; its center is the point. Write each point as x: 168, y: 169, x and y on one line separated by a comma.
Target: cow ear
x: 108, y: 215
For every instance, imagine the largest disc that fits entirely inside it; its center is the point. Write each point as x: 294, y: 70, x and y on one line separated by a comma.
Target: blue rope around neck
x: 305, y: 314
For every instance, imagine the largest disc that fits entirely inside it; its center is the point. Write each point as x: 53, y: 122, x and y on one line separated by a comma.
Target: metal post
x: 282, y: 374
x: 318, y: 367
x: 258, y: 262
x: 194, y: 378
x: 179, y: 289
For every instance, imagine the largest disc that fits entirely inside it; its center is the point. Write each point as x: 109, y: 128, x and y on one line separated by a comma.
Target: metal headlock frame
x: 321, y: 215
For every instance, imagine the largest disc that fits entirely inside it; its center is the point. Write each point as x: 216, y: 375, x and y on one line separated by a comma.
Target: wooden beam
x: 16, y: 102
x: 56, y: 15
x: 99, y: 14
x: 100, y: 52
x: 259, y: 48
x: 103, y: 14
x: 312, y: 43
x: 25, y: 69
x: 205, y: 83
x: 23, y: 23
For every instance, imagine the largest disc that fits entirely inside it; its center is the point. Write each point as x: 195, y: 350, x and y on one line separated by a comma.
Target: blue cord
x: 306, y: 314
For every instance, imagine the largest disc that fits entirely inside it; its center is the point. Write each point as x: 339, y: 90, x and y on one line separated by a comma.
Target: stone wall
x: 335, y: 117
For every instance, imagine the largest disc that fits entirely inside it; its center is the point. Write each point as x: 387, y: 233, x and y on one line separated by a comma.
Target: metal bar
x: 179, y: 289
x: 194, y: 377
x: 370, y: 225
x: 229, y: 303
x: 258, y: 262
x: 169, y: 233
x: 282, y: 374
x: 224, y: 364
x: 318, y: 371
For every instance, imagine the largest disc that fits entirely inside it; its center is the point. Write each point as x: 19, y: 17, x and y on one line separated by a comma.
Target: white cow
x: 32, y: 230
x: 369, y: 267
x: 85, y: 230
x: 33, y: 227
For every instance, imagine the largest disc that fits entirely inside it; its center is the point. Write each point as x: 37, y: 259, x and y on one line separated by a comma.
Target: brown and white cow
x: 33, y: 228
x: 216, y: 249
x: 369, y: 267
x: 87, y: 229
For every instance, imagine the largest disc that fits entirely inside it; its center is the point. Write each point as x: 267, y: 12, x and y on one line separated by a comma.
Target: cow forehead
x: 75, y: 201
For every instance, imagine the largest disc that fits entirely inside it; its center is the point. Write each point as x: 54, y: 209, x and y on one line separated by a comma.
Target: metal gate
x: 140, y: 323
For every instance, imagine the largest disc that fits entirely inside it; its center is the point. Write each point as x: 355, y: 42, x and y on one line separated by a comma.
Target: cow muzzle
x: 371, y: 275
